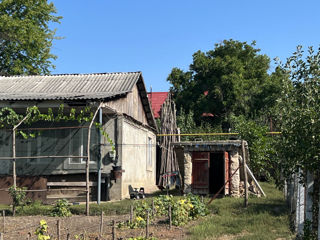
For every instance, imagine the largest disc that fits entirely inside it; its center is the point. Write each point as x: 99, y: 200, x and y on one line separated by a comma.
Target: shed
x: 206, y: 166
x: 125, y: 115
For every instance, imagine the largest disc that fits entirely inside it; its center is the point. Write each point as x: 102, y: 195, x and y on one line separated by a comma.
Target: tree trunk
x: 315, y: 203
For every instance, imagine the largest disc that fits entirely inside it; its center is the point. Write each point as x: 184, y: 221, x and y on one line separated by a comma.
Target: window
x: 149, y: 154
x: 78, y: 145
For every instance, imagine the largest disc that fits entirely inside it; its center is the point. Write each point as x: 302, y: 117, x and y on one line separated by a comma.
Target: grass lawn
x: 265, y: 218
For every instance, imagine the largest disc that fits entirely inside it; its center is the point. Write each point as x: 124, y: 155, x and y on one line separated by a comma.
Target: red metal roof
x: 157, y: 99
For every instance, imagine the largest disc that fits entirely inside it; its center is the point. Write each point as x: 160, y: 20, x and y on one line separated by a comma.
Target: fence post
x: 170, y: 219
x: 113, y: 230
x: 131, y: 213
x: 147, y: 225
x: 4, y: 220
x: 101, y: 224
x: 245, y: 174
x: 58, y: 229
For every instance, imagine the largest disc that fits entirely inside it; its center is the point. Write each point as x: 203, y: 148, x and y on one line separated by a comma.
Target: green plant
x: 42, y: 231
x: 180, y: 212
x: 161, y: 204
x: 307, y: 231
x: 18, y: 196
x: 61, y: 209
x: 199, y: 208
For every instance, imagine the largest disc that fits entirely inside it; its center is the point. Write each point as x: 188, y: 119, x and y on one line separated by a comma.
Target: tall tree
x: 230, y: 80
x: 299, y: 115
x: 25, y: 36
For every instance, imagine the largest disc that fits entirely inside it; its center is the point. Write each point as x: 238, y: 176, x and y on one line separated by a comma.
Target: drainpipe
x: 100, y: 159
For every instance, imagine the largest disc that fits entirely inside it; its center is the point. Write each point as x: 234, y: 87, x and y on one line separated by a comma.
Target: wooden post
x: 170, y: 219
x: 14, y: 173
x: 147, y: 225
x: 113, y: 230
x: 58, y: 229
x: 152, y: 207
x: 245, y: 174
x: 1, y: 236
x: 101, y: 224
x: 4, y: 220
x: 131, y: 213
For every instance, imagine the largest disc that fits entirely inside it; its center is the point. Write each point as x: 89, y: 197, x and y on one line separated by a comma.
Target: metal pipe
x: 14, y: 173
x: 88, y: 160
x: 99, y: 160
x: 53, y: 128
x: 209, y: 134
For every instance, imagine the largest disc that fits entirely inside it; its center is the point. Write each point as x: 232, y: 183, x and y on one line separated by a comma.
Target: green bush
x: 18, y: 196
x: 161, y: 204
x: 61, y: 209
x: 199, y: 208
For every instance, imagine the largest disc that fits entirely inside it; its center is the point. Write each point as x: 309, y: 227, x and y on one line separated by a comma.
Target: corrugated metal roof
x: 67, y: 86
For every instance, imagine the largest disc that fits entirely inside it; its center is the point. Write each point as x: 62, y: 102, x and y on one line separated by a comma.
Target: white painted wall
x: 138, y: 173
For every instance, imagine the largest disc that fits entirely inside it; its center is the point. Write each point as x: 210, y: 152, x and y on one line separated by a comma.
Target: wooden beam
x: 70, y: 184
x: 255, y: 181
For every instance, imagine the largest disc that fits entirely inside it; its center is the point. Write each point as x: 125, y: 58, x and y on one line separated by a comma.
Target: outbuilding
x: 208, y: 166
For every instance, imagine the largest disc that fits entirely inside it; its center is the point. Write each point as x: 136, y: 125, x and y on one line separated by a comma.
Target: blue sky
x: 155, y: 36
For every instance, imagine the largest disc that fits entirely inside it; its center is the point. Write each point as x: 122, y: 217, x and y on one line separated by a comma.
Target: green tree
x: 299, y: 115
x: 25, y: 36
x: 231, y: 79
x: 262, y: 151
x: 186, y: 123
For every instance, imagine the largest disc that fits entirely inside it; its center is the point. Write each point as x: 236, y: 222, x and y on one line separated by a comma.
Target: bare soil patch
x: 20, y: 227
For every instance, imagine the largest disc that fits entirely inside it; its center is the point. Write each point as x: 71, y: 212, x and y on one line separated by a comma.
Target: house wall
x: 130, y: 105
x: 139, y: 170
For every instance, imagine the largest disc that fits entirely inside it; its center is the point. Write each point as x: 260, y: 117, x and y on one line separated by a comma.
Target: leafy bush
x: 199, y: 208
x: 61, y: 209
x: 18, y: 196
x: 181, y: 212
x: 161, y: 204
x: 35, y: 208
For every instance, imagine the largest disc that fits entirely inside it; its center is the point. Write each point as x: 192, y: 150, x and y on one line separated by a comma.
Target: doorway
x: 216, y: 171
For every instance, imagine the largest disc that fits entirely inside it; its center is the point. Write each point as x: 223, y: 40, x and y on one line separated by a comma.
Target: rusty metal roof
x: 67, y: 86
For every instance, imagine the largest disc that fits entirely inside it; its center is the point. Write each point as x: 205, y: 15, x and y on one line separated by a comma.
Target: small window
x: 149, y: 154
